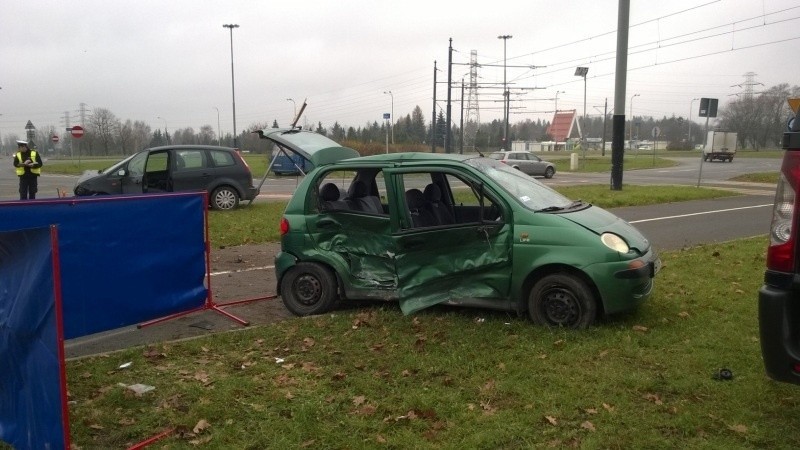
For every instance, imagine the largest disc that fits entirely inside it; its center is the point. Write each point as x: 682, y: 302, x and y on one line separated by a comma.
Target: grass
x: 597, y: 163
x: 259, y: 222
x: 759, y: 177
x: 458, y: 378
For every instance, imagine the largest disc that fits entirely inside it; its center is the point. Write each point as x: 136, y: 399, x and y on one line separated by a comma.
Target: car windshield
x: 529, y: 192
x: 497, y: 156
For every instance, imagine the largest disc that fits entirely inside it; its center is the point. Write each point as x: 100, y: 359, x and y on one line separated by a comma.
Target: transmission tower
x: 749, y: 82
x: 473, y: 118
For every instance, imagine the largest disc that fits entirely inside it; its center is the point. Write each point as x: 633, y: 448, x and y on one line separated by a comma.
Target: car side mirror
x: 121, y: 172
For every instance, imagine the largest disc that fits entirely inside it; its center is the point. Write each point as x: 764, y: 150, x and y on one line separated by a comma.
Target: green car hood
x: 318, y: 149
x: 600, y: 221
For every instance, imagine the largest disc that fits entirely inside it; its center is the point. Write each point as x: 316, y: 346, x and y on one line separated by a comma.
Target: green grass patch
x: 461, y: 378
x: 636, y: 195
x: 598, y: 163
x: 759, y: 177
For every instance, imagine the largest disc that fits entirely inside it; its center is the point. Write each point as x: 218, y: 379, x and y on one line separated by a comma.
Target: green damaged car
x: 427, y: 229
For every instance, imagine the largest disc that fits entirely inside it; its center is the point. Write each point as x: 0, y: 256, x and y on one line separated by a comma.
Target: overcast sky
x: 147, y: 59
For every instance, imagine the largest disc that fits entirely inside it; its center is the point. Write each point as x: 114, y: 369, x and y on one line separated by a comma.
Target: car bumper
x: 624, y: 285
x: 250, y: 193
x: 779, y: 324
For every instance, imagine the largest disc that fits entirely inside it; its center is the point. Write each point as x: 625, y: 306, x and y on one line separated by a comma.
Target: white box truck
x: 720, y: 145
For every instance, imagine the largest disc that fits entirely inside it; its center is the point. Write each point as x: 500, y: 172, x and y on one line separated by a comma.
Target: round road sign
x: 76, y: 131
x: 54, y: 138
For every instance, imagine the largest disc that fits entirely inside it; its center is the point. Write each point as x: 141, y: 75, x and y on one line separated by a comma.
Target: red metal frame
x: 62, y: 366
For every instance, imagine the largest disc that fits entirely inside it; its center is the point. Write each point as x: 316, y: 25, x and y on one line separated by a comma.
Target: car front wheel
x: 224, y: 198
x: 309, y: 289
x: 562, y: 300
x: 549, y: 172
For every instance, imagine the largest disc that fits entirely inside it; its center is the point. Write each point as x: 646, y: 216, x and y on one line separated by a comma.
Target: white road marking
x: 700, y: 213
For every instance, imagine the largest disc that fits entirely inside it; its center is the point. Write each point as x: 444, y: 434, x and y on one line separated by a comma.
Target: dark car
x: 526, y: 162
x: 221, y: 171
x: 287, y: 163
x: 424, y: 229
x: 779, y: 297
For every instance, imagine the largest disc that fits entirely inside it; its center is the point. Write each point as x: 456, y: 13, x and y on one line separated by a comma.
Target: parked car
x: 779, y: 296
x: 424, y: 229
x: 526, y: 162
x: 219, y: 170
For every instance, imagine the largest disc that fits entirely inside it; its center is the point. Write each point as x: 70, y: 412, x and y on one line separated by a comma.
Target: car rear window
x: 222, y: 159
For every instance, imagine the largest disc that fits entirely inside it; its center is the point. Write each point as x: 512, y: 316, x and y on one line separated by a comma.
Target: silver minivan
x: 526, y: 162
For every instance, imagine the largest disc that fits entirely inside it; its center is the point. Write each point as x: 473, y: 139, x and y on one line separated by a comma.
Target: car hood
x: 318, y: 149
x: 88, y: 175
x: 600, y: 221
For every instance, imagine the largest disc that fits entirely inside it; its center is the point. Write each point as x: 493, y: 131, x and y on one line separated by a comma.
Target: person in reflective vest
x: 28, y: 165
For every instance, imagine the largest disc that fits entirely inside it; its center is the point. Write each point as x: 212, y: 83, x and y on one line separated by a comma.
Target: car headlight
x: 614, y: 242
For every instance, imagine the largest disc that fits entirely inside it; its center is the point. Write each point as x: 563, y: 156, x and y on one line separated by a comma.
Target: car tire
x: 549, y: 172
x: 562, y: 300
x: 224, y: 198
x: 308, y: 289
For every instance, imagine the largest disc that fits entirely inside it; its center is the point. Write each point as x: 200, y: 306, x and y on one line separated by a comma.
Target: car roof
x: 190, y: 147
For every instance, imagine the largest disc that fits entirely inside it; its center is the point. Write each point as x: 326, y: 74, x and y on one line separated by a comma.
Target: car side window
x: 157, y: 162
x: 136, y: 165
x: 467, y: 202
x: 189, y: 160
x: 436, y: 199
x: 221, y: 158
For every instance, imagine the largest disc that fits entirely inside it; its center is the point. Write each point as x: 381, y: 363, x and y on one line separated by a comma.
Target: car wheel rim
x: 560, y: 307
x: 308, y: 290
x: 225, y: 199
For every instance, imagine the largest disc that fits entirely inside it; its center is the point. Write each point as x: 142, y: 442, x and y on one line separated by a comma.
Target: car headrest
x: 415, y: 199
x: 433, y: 193
x: 358, y: 189
x: 329, y: 192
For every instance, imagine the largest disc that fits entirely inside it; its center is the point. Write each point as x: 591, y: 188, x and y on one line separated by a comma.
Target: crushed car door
x: 466, y: 259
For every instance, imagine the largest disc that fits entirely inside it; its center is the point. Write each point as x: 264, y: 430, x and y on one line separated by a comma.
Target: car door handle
x: 328, y: 223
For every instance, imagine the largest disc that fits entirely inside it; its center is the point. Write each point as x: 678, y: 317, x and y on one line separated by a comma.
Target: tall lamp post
x: 558, y: 92
x: 505, y: 38
x: 630, y: 130
x: 166, y: 131
x: 391, y: 124
x: 295, y: 107
x: 581, y: 72
x: 691, y: 147
x: 219, y: 132
x: 231, y: 26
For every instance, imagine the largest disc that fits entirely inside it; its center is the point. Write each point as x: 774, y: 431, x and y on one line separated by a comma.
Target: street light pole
x: 219, y: 133
x: 166, y: 131
x: 630, y: 130
x: 231, y: 26
x: 505, y: 38
x: 558, y: 92
x: 391, y: 124
x: 691, y: 147
x: 581, y: 72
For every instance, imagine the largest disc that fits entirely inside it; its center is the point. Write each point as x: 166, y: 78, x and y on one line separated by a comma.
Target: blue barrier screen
x: 124, y: 259
x: 31, y: 414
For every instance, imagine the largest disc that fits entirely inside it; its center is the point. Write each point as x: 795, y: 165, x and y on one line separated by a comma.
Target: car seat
x: 433, y: 202
x: 420, y: 215
x: 362, y: 201
x: 329, y: 196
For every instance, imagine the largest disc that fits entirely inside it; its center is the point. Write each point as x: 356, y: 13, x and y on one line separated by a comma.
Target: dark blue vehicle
x: 289, y: 165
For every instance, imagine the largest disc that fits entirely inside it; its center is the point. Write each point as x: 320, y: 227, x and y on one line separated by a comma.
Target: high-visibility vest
x: 21, y: 169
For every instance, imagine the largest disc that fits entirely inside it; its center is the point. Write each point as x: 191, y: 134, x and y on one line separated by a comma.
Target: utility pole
x: 505, y: 38
x: 433, y: 115
x: 605, y: 116
x: 448, y: 142
x: 461, y: 126
x: 621, y: 72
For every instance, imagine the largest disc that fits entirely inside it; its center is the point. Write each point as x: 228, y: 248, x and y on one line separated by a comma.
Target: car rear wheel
x: 224, y: 198
x: 562, y: 300
x: 549, y: 172
x: 309, y: 289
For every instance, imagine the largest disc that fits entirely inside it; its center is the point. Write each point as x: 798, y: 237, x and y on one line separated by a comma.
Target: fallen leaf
x: 201, y: 441
x: 95, y: 426
x: 738, y: 428
x: 683, y: 314
x: 588, y: 426
x: 288, y: 396
x: 359, y: 400
x: 653, y: 398
x: 380, y: 439
x: 202, y: 424
x: 640, y: 328
x: 590, y: 411
x: 551, y: 420
x: 308, y: 443
x: 603, y: 354
x: 608, y: 407
x: 308, y: 342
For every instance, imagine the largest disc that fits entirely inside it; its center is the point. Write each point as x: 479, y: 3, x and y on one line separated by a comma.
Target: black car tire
x: 309, y: 289
x: 224, y: 198
x: 562, y: 300
x: 549, y: 172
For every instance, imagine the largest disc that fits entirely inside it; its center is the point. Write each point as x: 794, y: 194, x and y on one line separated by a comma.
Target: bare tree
x: 105, y: 125
x: 206, y: 135
x: 141, y: 135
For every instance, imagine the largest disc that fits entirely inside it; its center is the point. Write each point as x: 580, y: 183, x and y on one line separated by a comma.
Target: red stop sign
x: 76, y: 131
x: 54, y: 138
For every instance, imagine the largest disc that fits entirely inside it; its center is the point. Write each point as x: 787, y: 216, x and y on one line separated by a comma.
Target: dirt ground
x: 237, y: 273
